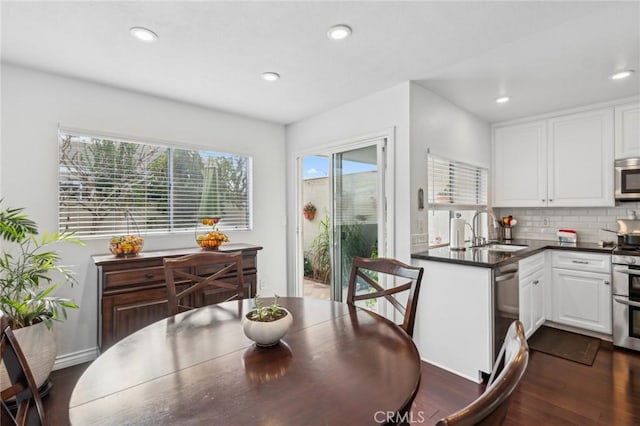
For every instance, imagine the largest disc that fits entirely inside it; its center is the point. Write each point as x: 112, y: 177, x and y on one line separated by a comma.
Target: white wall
x: 448, y: 131
x: 33, y: 103
x: 373, y: 114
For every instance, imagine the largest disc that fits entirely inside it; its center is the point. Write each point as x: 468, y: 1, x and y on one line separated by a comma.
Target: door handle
x: 627, y: 302
x: 506, y: 277
x: 628, y: 271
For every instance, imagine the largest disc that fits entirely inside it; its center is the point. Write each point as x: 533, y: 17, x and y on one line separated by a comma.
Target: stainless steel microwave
x: 627, y: 179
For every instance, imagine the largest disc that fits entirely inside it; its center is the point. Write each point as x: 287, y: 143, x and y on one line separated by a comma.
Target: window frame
x: 170, y: 227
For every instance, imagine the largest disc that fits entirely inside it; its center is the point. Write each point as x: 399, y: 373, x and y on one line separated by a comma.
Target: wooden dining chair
x: 21, y: 389
x: 188, y: 287
x: 366, y: 274
x: 490, y: 408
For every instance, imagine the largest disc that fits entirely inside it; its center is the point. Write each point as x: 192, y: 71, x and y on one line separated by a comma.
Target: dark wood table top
x: 337, y: 365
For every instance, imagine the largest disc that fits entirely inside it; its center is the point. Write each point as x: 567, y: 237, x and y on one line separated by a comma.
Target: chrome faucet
x: 478, y: 241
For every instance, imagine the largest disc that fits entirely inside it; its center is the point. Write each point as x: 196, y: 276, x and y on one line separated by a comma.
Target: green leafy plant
x: 320, y: 252
x: 26, y: 284
x: 309, y: 208
x: 267, y: 313
x: 308, y: 268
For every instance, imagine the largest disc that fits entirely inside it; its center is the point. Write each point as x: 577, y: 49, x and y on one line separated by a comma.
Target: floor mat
x: 564, y: 344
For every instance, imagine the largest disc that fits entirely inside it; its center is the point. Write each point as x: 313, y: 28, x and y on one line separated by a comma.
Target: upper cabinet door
x: 580, y: 159
x: 627, y: 130
x: 520, y: 165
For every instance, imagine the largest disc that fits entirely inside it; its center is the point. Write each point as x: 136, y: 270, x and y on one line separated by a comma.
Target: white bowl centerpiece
x: 266, y: 325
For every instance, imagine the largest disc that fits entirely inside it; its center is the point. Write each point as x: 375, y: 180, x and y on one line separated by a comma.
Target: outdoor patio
x: 316, y: 289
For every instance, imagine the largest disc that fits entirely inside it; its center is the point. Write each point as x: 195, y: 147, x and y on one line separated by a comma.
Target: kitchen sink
x: 503, y: 247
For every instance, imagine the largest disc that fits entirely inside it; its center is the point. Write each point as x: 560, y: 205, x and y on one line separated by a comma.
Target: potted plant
x: 266, y: 324
x: 444, y: 196
x: 27, y: 263
x: 309, y: 211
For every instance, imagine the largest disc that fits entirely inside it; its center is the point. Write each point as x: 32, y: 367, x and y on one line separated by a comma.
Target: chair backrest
x: 22, y: 389
x: 368, y: 273
x: 490, y: 408
x: 187, y: 289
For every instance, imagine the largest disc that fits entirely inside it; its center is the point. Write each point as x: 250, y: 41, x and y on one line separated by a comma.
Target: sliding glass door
x: 349, y: 218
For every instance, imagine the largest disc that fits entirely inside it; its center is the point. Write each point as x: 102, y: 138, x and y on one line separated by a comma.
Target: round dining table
x: 337, y: 365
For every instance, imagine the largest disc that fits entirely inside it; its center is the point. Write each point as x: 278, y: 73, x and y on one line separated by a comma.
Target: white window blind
x: 109, y: 186
x: 452, y: 182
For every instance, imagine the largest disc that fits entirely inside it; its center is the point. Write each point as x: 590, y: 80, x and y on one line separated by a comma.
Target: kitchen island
x: 461, y: 313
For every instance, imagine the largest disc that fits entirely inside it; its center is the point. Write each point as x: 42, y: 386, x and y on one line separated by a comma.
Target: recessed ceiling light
x: 270, y: 76
x: 143, y: 34
x: 339, y: 32
x: 622, y: 74
x: 502, y: 99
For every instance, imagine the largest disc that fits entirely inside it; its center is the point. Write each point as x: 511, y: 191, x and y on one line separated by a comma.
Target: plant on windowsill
x: 309, y: 211
x: 444, y: 196
x: 266, y: 324
x: 27, y: 264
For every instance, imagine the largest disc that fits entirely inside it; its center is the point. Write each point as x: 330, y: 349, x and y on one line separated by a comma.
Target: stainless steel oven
x: 627, y: 179
x: 626, y: 301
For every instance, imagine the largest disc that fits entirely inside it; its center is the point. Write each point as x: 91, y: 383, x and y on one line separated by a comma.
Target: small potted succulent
x: 266, y: 324
x: 309, y: 211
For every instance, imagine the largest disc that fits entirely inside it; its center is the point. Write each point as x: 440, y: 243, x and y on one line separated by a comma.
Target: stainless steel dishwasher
x: 506, y: 305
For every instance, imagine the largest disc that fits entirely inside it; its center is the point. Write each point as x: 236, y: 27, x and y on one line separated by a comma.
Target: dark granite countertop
x: 490, y: 259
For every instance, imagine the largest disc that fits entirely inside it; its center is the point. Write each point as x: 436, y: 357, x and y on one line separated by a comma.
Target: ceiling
x: 545, y: 55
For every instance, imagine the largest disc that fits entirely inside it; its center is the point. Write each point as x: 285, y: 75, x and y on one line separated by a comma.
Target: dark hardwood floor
x: 553, y: 391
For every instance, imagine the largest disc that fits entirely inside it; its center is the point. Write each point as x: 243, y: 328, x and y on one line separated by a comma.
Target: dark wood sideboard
x: 132, y: 291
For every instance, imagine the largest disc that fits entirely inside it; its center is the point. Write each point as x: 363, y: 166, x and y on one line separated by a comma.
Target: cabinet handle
x: 582, y: 262
x: 149, y: 275
x: 543, y: 200
x: 606, y: 282
x: 551, y: 200
x: 536, y: 282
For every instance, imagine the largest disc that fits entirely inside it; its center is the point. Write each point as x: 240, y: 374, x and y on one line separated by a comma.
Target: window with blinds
x: 109, y: 186
x: 456, y: 183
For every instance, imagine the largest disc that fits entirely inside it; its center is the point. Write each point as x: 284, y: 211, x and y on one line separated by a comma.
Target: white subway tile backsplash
x: 543, y: 223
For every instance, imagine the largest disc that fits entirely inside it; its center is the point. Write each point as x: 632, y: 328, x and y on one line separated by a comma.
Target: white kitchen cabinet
x: 532, y: 282
x: 627, y: 130
x: 454, y: 318
x: 580, y: 159
x: 562, y: 161
x: 520, y: 165
x: 582, y: 298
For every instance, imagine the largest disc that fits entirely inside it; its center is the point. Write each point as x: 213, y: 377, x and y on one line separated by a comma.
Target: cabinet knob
x: 551, y: 200
x: 543, y: 200
x: 536, y: 282
x: 606, y: 282
x: 149, y: 275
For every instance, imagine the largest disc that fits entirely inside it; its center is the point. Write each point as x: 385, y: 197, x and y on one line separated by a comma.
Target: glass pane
x: 356, y: 211
x: 109, y: 187
x: 316, y: 227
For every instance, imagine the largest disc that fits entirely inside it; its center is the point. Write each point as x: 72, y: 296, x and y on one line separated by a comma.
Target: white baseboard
x: 74, y: 358
x: 475, y: 379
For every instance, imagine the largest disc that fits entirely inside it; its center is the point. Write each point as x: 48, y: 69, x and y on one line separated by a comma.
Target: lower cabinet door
x: 537, y: 300
x: 525, y: 305
x: 582, y: 299
x: 123, y: 314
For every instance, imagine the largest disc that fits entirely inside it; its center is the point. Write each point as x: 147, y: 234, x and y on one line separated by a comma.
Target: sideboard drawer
x: 137, y: 277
